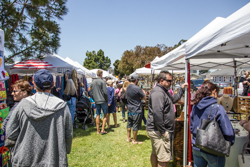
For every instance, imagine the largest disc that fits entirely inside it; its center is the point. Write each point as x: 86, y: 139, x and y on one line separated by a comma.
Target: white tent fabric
x: 87, y: 71
x: 231, y: 39
x: 145, y: 71
x: 76, y: 66
x: 215, y: 46
x: 104, y: 74
x: 58, y: 62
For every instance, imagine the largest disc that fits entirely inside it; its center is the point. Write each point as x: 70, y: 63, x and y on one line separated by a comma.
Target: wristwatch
x: 243, y: 124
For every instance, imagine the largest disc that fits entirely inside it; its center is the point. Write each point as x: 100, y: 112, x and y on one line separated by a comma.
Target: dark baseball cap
x: 43, y: 79
x: 134, y: 76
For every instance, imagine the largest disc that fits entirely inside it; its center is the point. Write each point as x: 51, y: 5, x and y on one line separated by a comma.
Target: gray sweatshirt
x: 41, y: 125
x: 99, y: 91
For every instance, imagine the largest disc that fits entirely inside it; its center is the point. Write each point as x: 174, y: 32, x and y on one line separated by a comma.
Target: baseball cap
x: 42, y: 77
x: 134, y: 76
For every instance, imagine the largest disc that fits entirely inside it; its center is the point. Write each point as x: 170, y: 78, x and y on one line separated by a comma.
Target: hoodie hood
x: 205, y: 102
x: 42, y: 105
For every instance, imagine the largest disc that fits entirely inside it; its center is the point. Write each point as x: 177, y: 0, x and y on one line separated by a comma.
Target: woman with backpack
x: 123, y: 96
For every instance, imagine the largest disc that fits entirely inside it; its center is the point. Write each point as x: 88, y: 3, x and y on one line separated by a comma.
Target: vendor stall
x: 4, y: 109
x: 223, y: 43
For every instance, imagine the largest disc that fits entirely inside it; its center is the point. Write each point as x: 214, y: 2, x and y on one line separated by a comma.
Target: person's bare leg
x: 108, y: 118
x: 104, y: 123
x: 97, y: 120
x: 135, y: 138
x: 128, y: 134
x: 153, y: 159
x: 162, y: 164
x: 115, y: 119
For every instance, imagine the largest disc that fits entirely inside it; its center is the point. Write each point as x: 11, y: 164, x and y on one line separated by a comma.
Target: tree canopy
x: 30, y: 27
x: 140, y: 56
x: 96, y: 60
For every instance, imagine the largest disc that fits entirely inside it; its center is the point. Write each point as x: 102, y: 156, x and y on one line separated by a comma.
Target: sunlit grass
x: 110, y: 150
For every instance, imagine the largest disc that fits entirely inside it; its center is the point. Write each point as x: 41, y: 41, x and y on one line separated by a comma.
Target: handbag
x: 210, y: 138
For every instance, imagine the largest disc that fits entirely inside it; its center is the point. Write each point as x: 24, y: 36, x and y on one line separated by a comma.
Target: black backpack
x: 124, y: 97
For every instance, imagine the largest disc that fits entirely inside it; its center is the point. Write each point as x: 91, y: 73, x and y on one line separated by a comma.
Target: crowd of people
x: 40, y: 124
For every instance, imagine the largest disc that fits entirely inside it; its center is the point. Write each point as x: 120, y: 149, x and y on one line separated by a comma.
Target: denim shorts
x: 103, y: 106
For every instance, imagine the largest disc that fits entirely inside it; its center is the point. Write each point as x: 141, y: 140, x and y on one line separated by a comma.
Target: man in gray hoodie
x: 41, y: 125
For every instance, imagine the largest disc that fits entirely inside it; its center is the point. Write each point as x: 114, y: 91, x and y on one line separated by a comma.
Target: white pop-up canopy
x: 78, y: 68
x: 224, y: 44
x: 58, y: 62
x: 145, y: 71
x: 87, y: 71
x: 104, y: 73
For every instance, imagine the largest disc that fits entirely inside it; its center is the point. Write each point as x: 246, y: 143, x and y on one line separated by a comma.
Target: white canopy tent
x: 105, y: 74
x: 88, y: 73
x: 78, y: 68
x: 58, y: 62
x: 221, y: 44
x: 147, y: 71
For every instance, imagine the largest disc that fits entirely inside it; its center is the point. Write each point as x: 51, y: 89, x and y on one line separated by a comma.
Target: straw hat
x: 123, y: 80
x: 109, y: 82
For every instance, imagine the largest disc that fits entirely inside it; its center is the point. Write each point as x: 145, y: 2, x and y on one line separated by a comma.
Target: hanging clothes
x: 59, y: 85
x: 74, y: 78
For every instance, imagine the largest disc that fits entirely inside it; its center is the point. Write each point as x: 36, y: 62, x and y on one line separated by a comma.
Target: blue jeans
x: 143, y: 117
x: 202, y: 159
x: 123, y: 109
x: 103, y: 106
x: 72, y: 107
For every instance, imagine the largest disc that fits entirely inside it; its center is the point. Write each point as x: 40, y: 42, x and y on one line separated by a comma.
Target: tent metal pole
x: 235, y: 80
x: 185, y: 136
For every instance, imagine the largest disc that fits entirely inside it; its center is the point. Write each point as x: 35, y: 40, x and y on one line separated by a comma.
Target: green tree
x: 116, y: 64
x: 96, y: 60
x: 137, y: 58
x: 30, y: 27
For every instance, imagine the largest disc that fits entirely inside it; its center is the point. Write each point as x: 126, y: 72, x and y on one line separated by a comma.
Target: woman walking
x: 205, y: 100
x: 70, y: 94
x: 117, y: 98
x: 123, y: 96
x: 111, y: 103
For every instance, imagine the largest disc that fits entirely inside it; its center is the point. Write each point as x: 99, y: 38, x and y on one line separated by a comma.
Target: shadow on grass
x: 142, y: 137
x: 80, y: 132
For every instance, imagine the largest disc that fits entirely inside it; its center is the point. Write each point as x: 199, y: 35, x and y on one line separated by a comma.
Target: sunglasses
x: 14, y: 91
x: 168, y: 80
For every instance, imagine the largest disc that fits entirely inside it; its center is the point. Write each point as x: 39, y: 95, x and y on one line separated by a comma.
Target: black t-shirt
x: 134, y: 96
x: 245, y: 86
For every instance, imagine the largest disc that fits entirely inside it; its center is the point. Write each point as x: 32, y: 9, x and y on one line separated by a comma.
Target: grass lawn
x: 110, y: 150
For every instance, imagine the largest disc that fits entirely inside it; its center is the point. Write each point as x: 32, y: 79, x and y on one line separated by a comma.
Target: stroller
x: 84, y: 114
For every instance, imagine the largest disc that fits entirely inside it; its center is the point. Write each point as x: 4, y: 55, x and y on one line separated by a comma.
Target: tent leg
x: 185, y: 137
x: 235, y: 80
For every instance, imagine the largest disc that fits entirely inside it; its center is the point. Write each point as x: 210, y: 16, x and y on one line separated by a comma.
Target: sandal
x: 104, y: 133
x: 117, y: 126
x: 137, y: 142
x: 129, y: 140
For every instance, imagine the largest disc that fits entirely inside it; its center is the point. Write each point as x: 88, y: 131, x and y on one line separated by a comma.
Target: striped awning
x: 33, y: 64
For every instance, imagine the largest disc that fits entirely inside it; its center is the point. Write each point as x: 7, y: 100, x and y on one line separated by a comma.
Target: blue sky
x: 119, y: 25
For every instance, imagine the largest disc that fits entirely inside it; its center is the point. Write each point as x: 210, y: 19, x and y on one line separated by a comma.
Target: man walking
x: 41, y: 127
x: 134, y: 96
x: 161, y: 117
x: 100, y: 96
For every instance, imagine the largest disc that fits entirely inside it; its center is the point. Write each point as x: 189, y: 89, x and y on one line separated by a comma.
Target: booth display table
x: 236, y: 149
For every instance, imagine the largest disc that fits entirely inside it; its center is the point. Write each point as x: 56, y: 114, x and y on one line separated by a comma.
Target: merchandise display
x: 227, y: 102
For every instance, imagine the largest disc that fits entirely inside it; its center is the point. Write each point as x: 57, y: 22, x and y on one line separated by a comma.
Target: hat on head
x: 123, y: 80
x: 134, y: 76
x: 109, y: 82
x: 42, y: 77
